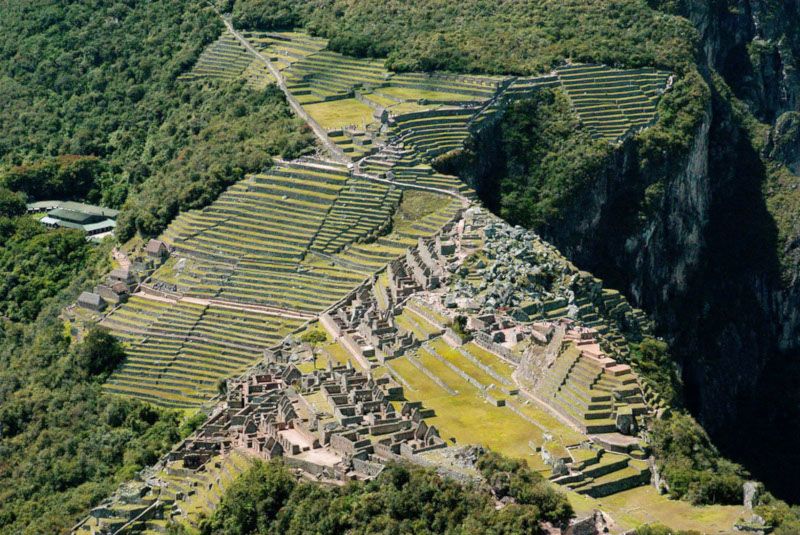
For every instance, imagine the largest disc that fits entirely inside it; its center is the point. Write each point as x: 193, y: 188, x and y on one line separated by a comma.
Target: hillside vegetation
x: 64, y: 445
x: 520, y: 37
x: 90, y: 109
x: 98, y: 79
x: 403, y: 499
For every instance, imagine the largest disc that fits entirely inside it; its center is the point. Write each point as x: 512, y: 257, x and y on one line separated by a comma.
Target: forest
x: 90, y: 110
x: 402, y: 499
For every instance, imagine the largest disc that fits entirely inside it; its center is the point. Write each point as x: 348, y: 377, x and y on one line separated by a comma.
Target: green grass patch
x: 341, y: 113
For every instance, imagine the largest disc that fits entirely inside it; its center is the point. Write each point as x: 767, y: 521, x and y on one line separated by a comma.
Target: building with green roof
x: 96, y: 221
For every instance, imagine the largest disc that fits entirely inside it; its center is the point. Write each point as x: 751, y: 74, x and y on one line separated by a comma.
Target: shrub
x: 691, y: 465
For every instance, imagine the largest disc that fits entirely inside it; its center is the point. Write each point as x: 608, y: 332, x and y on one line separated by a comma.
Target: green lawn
x: 643, y: 505
x: 413, y: 93
x: 468, y: 418
x: 341, y: 113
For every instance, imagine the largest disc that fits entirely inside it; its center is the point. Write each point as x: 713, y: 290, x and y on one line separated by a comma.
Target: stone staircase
x: 597, y: 473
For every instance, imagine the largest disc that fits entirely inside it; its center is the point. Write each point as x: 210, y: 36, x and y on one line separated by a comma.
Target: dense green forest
x: 402, y: 499
x: 93, y: 84
x: 485, y: 36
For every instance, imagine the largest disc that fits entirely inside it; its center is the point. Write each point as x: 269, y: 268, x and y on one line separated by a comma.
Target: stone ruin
x: 334, y: 424
x: 368, y: 330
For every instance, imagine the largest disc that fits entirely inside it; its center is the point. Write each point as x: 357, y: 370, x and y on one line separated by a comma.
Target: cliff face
x: 754, y: 45
x: 704, y: 262
x: 695, y: 240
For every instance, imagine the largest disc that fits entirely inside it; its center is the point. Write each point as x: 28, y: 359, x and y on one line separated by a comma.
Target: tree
x: 67, y: 176
x: 253, y: 501
x: 99, y: 353
x: 314, y: 337
x: 12, y: 204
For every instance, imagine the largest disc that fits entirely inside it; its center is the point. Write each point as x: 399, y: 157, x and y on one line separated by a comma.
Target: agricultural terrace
x: 281, y: 246
x: 179, y: 351
x: 612, y: 102
x: 340, y: 113
x: 190, y: 494
x: 284, y: 48
x: 227, y: 59
x: 250, y: 268
x: 328, y: 75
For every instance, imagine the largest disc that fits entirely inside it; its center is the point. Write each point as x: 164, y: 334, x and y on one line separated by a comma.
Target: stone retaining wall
x: 483, y: 340
x: 430, y: 375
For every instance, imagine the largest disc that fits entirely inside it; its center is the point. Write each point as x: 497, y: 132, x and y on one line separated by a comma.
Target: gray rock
x: 751, y: 492
x: 626, y: 423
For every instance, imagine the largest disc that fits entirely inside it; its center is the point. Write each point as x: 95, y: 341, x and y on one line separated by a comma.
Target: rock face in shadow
x: 705, y: 258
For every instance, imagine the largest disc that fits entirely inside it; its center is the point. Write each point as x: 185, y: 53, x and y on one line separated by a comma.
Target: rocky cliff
x: 707, y: 239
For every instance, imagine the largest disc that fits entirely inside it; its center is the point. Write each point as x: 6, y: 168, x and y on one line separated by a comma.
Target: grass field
x: 340, y: 113
x: 467, y: 417
x: 412, y: 93
x: 643, y: 505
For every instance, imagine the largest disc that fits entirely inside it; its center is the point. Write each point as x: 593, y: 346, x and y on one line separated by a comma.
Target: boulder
x: 750, y: 490
x: 625, y: 422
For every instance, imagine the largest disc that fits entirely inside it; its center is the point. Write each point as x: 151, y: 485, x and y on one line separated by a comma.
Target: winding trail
x: 336, y: 152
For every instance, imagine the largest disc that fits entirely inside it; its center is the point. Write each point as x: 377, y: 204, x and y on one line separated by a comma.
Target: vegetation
x: 692, y: 466
x: 653, y: 361
x: 64, y: 445
x: 479, y: 36
x: 514, y: 478
x: 403, y: 499
x: 543, y: 171
x: 779, y: 515
x: 91, y: 109
x: 62, y: 177
x: 658, y: 529
x: 220, y: 135
x: 36, y: 264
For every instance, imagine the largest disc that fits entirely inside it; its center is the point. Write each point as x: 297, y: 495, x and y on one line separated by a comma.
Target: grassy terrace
x: 285, y: 48
x: 326, y: 75
x: 467, y: 87
x: 413, y: 93
x: 435, y: 132
x: 612, y: 102
x: 362, y: 209
x: 225, y: 59
x: 188, y: 348
x: 270, y: 216
x: 431, y: 214
x: 340, y: 113
x: 495, y: 363
x: 249, y: 249
x: 466, y: 417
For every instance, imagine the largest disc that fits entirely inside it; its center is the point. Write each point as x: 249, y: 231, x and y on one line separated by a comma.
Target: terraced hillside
x: 186, y: 495
x: 227, y: 59
x: 179, y: 350
x: 249, y: 269
x: 612, y: 102
x: 328, y: 75
x: 294, y: 239
x: 282, y: 246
